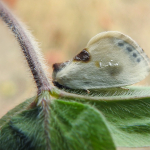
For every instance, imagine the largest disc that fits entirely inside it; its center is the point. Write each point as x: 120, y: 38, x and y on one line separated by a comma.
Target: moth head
x: 57, y: 67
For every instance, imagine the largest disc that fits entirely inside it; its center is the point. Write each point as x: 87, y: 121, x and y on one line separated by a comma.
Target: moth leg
x: 123, y: 88
x: 88, y: 91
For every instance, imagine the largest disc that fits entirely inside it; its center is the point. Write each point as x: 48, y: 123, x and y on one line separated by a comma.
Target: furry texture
x: 28, y: 46
x: 72, y: 126
x: 110, y: 59
x: 67, y: 124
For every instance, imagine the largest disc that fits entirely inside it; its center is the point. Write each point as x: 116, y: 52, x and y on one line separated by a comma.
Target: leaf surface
x: 69, y: 125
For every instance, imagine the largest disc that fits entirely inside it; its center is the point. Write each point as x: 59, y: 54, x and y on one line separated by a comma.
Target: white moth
x: 110, y: 59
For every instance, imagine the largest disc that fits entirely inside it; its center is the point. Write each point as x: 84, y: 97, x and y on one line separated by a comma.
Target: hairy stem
x: 46, y: 112
x: 28, y: 48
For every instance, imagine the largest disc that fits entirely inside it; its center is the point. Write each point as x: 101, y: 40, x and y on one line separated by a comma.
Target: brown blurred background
x: 62, y: 29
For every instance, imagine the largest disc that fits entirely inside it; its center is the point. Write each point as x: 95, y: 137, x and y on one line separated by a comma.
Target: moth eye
x: 82, y: 56
x: 56, y: 67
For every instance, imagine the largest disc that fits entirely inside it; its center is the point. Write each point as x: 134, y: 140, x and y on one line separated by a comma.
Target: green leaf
x: 65, y: 125
x: 129, y: 121
x: 80, y: 127
x: 102, y: 120
x: 127, y: 112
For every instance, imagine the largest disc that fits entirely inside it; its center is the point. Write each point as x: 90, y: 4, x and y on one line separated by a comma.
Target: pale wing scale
x: 111, y: 59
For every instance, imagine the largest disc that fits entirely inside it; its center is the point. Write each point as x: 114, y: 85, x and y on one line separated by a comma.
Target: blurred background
x: 62, y: 29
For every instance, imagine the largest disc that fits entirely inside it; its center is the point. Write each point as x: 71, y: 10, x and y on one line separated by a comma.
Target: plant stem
x: 29, y: 48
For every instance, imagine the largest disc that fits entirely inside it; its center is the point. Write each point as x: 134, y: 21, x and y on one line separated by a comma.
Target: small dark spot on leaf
x: 32, y: 105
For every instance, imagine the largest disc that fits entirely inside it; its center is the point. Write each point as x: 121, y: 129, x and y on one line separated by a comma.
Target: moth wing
x: 111, y: 59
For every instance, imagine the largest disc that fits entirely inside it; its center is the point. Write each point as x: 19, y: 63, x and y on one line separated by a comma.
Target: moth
x: 110, y: 59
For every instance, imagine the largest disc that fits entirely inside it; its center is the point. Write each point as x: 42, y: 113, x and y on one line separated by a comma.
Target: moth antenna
x: 29, y: 48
